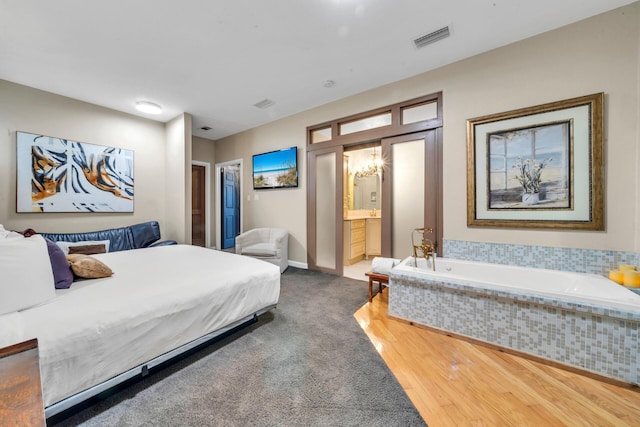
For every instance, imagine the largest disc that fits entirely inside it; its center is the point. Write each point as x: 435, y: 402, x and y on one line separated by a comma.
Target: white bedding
x: 158, y: 299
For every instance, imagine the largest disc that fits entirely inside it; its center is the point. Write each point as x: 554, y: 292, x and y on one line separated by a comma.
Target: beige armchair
x: 268, y: 244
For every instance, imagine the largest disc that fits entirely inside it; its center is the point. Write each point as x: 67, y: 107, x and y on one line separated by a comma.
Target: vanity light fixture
x: 148, y: 107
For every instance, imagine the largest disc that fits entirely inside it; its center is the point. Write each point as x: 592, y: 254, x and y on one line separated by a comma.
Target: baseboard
x: 297, y: 264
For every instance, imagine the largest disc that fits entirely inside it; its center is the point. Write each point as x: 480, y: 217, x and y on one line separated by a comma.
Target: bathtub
x: 573, y: 287
x: 580, y: 320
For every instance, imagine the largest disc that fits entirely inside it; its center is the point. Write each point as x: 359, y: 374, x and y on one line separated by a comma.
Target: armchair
x: 268, y: 244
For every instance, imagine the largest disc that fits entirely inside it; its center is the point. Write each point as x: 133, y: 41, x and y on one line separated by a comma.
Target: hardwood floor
x: 453, y: 382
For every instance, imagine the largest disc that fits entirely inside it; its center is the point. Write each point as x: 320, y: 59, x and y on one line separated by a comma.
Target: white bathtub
x: 568, y: 286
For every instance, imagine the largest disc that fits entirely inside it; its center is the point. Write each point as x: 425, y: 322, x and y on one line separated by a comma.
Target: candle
x: 632, y: 278
x: 617, y: 276
x: 624, y: 267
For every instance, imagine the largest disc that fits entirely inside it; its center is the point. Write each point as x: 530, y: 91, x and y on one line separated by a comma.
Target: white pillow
x: 66, y: 245
x: 5, y: 234
x: 27, y: 277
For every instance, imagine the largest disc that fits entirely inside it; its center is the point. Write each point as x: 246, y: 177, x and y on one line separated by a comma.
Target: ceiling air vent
x: 265, y: 103
x: 205, y: 128
x: 432, y: 37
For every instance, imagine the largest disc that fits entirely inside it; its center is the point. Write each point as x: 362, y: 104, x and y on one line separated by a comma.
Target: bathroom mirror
x: 363, y: 179
x: 366, y: 192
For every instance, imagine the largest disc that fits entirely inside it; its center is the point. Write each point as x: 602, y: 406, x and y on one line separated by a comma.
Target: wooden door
x: 198, y: 206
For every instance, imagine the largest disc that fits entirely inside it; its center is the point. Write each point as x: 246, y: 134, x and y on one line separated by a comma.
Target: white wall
x: 600, y: 54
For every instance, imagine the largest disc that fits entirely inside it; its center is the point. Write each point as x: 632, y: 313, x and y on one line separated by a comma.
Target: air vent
x: 205, y: 128
x: 265, y: 103
x: 432, y: 37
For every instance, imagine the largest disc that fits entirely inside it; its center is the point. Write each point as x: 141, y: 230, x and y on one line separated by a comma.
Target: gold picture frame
x: 538, y: 167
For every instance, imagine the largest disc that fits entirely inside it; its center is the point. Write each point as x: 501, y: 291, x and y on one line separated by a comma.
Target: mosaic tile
x: 578, y: 260
x: 591, y: 337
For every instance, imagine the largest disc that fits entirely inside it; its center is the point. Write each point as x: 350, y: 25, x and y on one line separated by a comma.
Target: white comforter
x: 158, y: 299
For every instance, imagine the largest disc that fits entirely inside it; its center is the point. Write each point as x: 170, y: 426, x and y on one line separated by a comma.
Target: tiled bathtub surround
x: 590, y: 337
x: 568, y: 259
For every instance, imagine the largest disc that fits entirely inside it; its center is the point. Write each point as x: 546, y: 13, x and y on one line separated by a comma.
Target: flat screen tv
x: 276, y: 169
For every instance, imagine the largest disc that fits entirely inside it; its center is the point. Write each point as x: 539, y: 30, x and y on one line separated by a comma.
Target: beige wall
x: 600, y: 54
x: 283, y: 208
x: 177, y: 196
x: 31, y: 110
x: 203, y: 150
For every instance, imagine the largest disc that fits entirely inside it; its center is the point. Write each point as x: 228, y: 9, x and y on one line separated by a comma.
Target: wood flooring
x: 453, y: 382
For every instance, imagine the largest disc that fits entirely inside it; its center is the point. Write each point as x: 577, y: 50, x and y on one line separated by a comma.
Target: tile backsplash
x: 568, y: 259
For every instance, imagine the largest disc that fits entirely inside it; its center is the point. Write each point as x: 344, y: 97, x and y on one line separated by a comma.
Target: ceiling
x: 215, y: 59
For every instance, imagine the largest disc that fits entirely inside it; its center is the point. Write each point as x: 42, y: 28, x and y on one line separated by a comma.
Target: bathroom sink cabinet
x: 373, y: 237
x: 362, y: 238
x: 354, y: 241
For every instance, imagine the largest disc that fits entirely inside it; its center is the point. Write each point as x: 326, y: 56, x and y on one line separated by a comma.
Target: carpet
x: 305, y: 363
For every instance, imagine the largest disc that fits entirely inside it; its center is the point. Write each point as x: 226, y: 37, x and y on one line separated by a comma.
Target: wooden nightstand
x: 20, y: 387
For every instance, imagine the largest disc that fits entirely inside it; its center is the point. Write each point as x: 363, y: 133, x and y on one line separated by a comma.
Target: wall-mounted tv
x: 276, y: 169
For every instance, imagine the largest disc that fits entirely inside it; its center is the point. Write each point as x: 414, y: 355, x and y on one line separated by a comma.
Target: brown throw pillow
x: 87, y: 249
x: 88, y: 267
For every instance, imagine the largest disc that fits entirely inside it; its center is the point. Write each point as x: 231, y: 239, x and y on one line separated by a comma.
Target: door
x: 230, y: 177
x: 198, y: 205
x: 411, y: 191
x: 324, y: 210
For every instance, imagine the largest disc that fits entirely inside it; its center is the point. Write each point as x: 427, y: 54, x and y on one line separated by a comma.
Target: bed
x: 159, y: 302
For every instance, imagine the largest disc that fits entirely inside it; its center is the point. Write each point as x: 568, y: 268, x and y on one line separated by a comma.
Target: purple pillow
x: 62, y: 273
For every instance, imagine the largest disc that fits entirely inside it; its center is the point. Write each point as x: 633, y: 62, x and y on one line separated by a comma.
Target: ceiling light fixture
x: 374, y: 167
x: 148, y: 107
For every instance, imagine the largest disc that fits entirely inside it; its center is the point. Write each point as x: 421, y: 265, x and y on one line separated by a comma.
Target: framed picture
x: 60, y: 175
x: 539, y: 167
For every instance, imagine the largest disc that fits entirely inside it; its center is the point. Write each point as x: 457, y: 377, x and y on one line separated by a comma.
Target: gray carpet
x: 306, y: 363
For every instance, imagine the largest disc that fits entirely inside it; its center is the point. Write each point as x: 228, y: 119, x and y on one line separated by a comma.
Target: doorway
x: 362, y: 207
x: 410, y: 135
x: 200, y: 203
x: 229, y: 203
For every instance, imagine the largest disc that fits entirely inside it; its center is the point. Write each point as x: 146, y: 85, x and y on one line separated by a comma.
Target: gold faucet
x: 425, y: 247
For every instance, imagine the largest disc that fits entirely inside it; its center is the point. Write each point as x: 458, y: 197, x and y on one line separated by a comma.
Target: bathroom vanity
x: 362, y: 236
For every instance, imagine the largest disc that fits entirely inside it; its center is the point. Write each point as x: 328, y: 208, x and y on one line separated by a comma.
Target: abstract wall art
x: 60, y: 175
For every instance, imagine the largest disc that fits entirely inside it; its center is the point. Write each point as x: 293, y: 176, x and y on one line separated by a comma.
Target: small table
x: 382, y: 279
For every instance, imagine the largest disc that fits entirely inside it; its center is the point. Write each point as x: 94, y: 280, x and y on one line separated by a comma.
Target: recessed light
x: 148, y: 107
x: 265, y: 103
x: 329, y: 83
